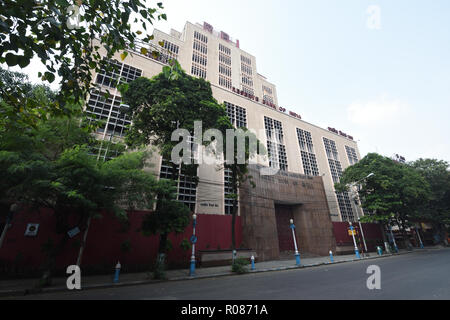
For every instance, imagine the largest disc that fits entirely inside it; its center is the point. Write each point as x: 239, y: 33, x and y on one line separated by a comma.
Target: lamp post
x: 297, y: 255
x: 359, y: 202
x: 420, y: 239
x: 352, y: 229
x: 362, y: 234
x: 12, y: 209
x: 393, y: 239
x: 193, y: 241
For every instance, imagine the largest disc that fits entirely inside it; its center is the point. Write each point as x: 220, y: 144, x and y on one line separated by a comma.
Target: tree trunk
x: 383, y: 234
x: 406, y: 241
x: 83, y: 243
x: 233, y: 224
x: 160, y: 265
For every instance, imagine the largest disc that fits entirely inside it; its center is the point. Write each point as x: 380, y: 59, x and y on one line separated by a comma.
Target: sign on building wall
x: 32, y: 230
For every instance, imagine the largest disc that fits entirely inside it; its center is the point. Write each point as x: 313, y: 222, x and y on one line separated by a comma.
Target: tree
x: 437, y: 209
x: 158, y: 106
x: 174, y: 100
x: 169, y: 216
x: 62, y: 34
x: 392, y: 194
x: 239, y: 169
x: 51, y: 165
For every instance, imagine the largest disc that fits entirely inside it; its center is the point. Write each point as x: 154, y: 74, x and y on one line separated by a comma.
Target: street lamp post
x: 362, y: 234
x: 420, y: 239
x: 193, y: 241
x: 354, y: 240
x: 297, y: 254
x: 393, y: 239
x: 359, y: 220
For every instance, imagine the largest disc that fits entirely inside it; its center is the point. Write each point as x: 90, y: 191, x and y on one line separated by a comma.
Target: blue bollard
x: 380, y: 251
x: 253, y: 263
x: 357, y: 253
x: 297, y: 258
x: 192, y: 269
x: 116, y: 276
x: 331, y: 256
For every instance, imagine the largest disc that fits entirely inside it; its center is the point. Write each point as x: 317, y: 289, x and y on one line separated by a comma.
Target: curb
x: 24, y: 292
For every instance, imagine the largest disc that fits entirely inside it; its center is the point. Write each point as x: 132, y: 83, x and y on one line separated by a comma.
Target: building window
x: 267, y: 90
x: 237, y: 115
x: 275, y: 144
x: 248, y: 91
x: 228, y: 190
x: 351, y: 154
x: 198, y: 71
x: 224, y: 49
x: 109, y: 110
x: 343, y: 198
x: 199, y: 55
x: 119, y: 72
x: 225, y: 82
x: 172, y: 48
x: 246, y: 60
x: 186, y: 185
x: 200, y: 37
x: 224, y: 70
x: 307, y: 153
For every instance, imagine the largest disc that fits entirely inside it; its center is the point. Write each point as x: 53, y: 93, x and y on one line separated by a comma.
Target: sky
x: 378, y: 70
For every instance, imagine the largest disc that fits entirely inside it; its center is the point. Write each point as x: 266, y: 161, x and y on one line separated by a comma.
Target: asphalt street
x: 419, y: 275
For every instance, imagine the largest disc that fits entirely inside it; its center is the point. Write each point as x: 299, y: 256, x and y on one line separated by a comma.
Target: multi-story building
x: 295, y: 146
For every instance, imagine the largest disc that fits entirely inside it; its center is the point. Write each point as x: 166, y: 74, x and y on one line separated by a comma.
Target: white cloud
x: 376, y: 112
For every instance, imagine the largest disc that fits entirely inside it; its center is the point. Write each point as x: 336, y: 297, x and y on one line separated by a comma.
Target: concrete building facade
x: 300, y: 150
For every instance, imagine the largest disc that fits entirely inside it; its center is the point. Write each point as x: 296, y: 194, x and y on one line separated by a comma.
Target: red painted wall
x: 372, y: 234
x: 105, y: 238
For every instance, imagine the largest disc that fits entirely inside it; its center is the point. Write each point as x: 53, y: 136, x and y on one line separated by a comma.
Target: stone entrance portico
x: 273, y: 202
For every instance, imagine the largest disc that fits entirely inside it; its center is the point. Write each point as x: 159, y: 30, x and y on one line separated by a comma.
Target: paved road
x: 419, y: 275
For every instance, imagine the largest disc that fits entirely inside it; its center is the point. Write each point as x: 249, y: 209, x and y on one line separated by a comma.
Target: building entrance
x: 283, y: 214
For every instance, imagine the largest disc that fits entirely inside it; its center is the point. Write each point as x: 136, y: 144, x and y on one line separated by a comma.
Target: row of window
x: 246, y: 69
x: 225, y: 82
x: 224, y: 70
x: 351, y: 154
x: 248, y: 90
x: 173, y: 48
x: 246, y: 60
x: 198, y: 71
x: 199, y: 58
x: 119, y: 72
x: 225, y: 59
x: 267, y: 89
x: 201, y: 37
x: 247, y: 81
x: 200, y: 47
x: 224, y: 49
x: 237, y: 115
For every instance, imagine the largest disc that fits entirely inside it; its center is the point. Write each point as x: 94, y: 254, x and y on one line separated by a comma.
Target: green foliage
x: 437, y: 174
x: 185, y: 245
x: 43, y: 28
x: 240, y: 265
x: 169, y: 100
x: 393, y: 192
x: 170, y: 215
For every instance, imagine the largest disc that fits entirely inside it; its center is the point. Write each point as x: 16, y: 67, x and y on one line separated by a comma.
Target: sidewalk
x: 24, y: 286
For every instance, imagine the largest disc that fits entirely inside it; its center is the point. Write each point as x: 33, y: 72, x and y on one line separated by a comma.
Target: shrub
x: 240, y: 265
